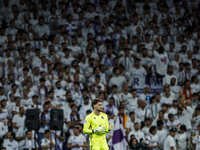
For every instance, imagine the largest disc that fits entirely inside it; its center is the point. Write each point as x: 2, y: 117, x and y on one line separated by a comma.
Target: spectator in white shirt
x: 42, y: 28
x: 47, y: 142
x: 10, y: 143
x: 139, y: 135
x: 117, y: 79
x: 18, y: 119
x: 162, y: 60
x: 170, y: 143
x: 30, y: 142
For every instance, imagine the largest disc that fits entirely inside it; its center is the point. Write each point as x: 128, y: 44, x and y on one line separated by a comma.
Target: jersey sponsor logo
x: 102, y: 117
x: 85, y: 121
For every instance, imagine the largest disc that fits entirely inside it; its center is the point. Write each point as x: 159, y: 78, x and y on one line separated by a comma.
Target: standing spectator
x: 169, y: 141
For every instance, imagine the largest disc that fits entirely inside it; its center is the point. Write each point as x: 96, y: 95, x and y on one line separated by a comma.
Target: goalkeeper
x: 96, y: 124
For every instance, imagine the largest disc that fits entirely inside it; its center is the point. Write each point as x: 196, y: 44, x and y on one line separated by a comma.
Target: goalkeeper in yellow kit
x: 96, y: 124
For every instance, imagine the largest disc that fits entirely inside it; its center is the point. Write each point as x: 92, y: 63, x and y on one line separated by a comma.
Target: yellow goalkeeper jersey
x: 93, y: 121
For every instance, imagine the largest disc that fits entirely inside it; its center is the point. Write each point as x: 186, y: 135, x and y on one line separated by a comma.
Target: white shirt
x: 80, y: 140
x: 19, y: 121
x: 181, y: 141
x: 20, y: 133
x: 130, y: 124
x: 187, y: 117
x: 162, y: 134
x: 165, y: 100
x: 3, y: 130
x: 169, y: 142
x: 10, y: 145
x: 161, y: 62
x: 119, y: 81
x: 145, y: 130
x: 46, y: 142
x: 140, y: 114
x: 196, y: 140
x: 131, y: 104
x: 174, y: 124
x: 152, y: 140
x: 138, y: 135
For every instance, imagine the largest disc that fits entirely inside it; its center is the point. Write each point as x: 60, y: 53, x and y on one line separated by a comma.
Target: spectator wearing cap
x: 146, y: 95
x: 172, y: 123
x: 74, y: 118
x: 169, y: 143
x: 162, y: 133
x: 111, y: 107
x: 85, y: 106
x: 167, y: 98
x: 182, y: 138
x: 76, y: 140
x: 173, y: 110
x: 117, y: 79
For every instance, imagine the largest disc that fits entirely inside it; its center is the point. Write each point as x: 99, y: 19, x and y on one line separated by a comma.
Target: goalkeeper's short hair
x: 95, y: 101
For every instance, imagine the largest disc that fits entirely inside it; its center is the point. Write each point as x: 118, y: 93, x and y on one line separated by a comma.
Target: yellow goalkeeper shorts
x: 98, y: 148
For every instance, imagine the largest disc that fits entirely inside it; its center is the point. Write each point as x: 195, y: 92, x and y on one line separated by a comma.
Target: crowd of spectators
x: 62, y: 54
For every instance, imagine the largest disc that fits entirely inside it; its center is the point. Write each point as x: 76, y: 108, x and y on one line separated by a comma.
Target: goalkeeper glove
x: 99, y: 129
x: 110, y: 127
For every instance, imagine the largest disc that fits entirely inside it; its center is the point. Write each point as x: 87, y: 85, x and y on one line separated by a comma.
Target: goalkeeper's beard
x: 99, y: 110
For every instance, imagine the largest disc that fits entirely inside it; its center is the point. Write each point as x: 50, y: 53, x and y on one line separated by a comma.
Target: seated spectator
x: 9, y: 141
x: 47, y: 141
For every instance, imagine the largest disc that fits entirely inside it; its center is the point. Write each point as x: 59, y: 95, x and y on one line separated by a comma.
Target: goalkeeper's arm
x: 87, y: 129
